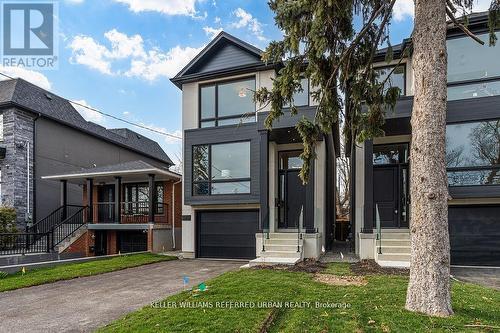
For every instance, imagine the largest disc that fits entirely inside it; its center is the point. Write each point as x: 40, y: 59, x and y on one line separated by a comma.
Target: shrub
x: 8, y: 220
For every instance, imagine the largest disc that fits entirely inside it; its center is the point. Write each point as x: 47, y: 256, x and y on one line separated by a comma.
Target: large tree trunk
x: 429, y: 287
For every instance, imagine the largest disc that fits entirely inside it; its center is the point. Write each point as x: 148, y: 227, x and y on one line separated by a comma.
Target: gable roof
x: 23, y: 94
x: 224, y: 53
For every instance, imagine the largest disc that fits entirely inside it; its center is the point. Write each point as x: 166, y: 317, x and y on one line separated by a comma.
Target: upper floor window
x: 227, y: 103
x: 473, y: 69
x: 301, y: 98
x: 221, y: 168
x: 473, y: 153
x: 397, y: 78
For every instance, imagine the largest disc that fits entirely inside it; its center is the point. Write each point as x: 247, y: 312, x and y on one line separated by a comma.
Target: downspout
x: 173, y: 212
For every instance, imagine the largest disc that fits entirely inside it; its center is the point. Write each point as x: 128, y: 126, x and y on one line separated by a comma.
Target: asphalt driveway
x: 488, y: 277
x: 84, y: 304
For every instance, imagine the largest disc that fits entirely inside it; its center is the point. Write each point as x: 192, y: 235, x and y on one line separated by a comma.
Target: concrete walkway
x: 84, y: 304
x: 485, y: 276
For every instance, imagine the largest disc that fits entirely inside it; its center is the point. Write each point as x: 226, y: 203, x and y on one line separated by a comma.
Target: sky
x: 118, y: 55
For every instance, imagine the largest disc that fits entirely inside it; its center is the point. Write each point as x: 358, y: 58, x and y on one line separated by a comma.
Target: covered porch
x: 128, y: 193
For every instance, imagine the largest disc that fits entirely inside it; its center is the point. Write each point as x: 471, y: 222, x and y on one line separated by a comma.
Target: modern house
x: 381, y: 167
x: 242, y: 197
x: 78, y: 187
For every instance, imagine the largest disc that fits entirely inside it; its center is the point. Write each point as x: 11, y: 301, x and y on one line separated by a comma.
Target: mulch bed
x: 370, y: 267
x: 308, y: 266
x: 363, y: 267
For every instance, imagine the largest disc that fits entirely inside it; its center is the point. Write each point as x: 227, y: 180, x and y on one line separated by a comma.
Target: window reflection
x: 468, y: 60
x: 473, y: 153
x: 390, y: 154
x: 227, y: 103
x: 397, y: 78
x: 483, y: 89
x: 221, y: 168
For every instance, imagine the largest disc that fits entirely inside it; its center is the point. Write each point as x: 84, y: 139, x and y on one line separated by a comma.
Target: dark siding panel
x: 475, y: 235
x: 287, y: 120
x: 60, y: 149
x: 226, y: 57
x: 225, y: 134
x: 461, y: 110
x: 227, y: 234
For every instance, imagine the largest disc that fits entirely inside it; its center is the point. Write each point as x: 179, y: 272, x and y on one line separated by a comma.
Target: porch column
x: 90, y: 200
x: 118, y: 199
x: 64, y: 198
x: 151, y: 201
x: 264, y: 180
x: 368, y: 209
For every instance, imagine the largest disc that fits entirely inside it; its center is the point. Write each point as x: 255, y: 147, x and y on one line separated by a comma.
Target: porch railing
x: 379, y: 229
x: 299, y: 223
x: 130, y: 212
x: 67, y: 227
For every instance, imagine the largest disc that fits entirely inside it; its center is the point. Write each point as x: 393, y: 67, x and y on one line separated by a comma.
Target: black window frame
x: 288, y: 106
x: 216, y: 118
x: 403, y: 64
x: 471, y: 168
x: 211, y: 181
x: 132, y: 207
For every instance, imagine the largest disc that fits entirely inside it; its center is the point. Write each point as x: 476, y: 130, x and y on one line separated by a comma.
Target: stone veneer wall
x: 17, y: 134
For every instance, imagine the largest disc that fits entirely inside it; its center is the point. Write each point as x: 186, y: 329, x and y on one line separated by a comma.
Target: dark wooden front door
x: 390, y: 196
x: 291, y: 191
x: 101, y: 242
x: 385, y: 196
x: 106, y: 204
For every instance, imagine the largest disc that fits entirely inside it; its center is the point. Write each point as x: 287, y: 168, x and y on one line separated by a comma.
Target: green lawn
x: 70, y: 271
x: 375, y: 307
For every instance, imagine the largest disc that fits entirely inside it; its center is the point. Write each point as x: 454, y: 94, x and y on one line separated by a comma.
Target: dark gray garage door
x: 475, y: 235
x: 227, y: 234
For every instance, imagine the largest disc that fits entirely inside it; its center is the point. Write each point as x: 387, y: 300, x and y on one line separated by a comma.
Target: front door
x: 101, y: 242
x: 292, y: 193
x: 390, y: 185
x: 106, y: 204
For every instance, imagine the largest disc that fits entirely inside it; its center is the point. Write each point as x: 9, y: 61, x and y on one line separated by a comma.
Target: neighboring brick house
x: 43, y: 135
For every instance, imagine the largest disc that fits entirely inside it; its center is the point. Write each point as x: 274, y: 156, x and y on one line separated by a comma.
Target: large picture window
x: 221, y: 168
x: 473, y: 153
x: 227, y: 103
x: 473, y: 69
x: 137, y: 199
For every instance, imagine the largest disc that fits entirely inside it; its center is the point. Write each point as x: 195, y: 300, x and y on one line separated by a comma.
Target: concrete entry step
x: 274, y: 261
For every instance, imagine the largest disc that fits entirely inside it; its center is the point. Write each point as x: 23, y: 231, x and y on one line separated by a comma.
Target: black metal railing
x: 46, y: 224
x: 24, y: 243
x: 67, y: 228
x: 299, y: 223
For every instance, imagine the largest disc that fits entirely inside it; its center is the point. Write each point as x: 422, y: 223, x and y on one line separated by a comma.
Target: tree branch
x: 462, y: 27
x: 451, y: 6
